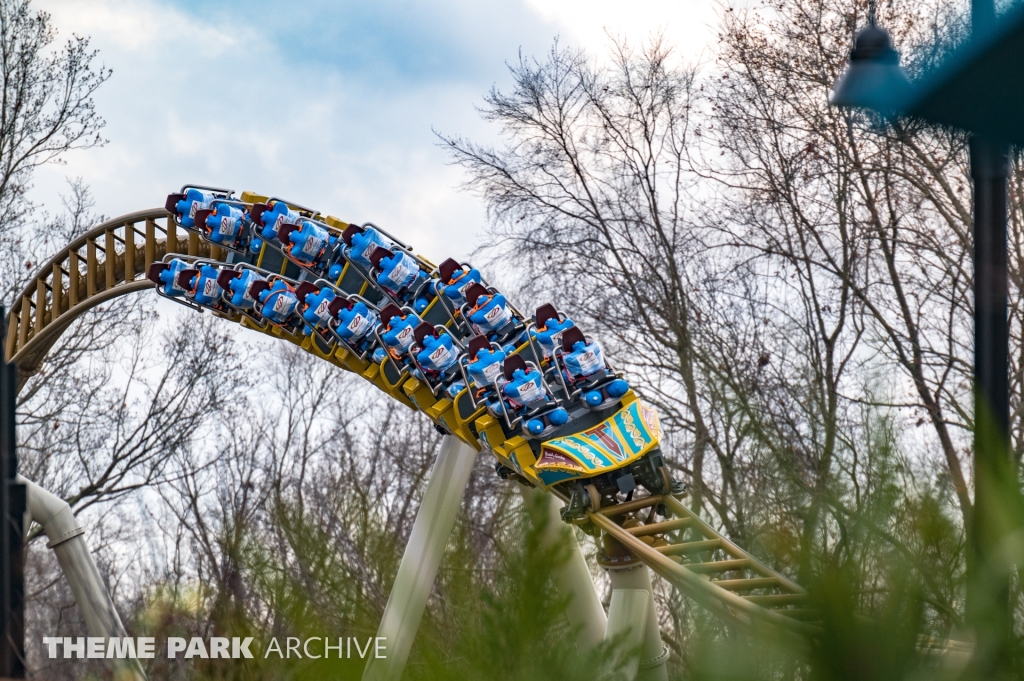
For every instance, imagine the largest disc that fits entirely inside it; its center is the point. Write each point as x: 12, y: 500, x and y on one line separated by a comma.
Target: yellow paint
x: 439, y: 407
x: 310, y: 344
x: 250, y: 197
x: 490, y: 429
x: 463, y: 423
x: 421, y: 396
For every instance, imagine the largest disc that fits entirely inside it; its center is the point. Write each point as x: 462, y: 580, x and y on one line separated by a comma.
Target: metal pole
x: 989, y: 608
x: 67, y: 540
x: 12, y: 514
x: 434, y: 522
x: 584, y: 612
x: 627, y: 622
x: 650, y: 666
x: 995, y: 482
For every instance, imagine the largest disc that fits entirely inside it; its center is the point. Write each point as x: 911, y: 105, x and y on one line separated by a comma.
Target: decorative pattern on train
x: 534, y: 391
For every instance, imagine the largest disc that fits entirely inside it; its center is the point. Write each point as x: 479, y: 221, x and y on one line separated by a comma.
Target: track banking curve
x: 113, y: 259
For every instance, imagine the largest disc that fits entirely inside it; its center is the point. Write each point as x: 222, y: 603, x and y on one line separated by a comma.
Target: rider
x: 236, y: 287
x: 548, y: 327
x: 453, y: 279
x: 165, y: 276
x: 397, y: 331
x: 400, y: 273
x: 354, y: 322
x: 491, y: 315
x: 270, y: 216
x: 483, y: 366
x: 275, y: 302
x: 360, y: 242
x: 223, y: 224
x: 527, y: 396
x: 587, y: 370
x: 201, y: 285
x: 185, y: 206
x: 305, y: 241
x: 438, y: 357
x: 314, y: 306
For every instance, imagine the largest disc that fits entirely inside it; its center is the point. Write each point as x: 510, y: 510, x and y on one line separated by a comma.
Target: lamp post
x: 961, y: 92
x: 12, y: 512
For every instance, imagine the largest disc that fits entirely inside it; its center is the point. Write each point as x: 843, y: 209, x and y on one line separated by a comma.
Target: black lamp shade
x: 874, y: 79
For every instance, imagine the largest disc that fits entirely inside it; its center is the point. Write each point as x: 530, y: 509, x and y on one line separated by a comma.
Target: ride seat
x: 571, y: 337
x: 476, y: 344
x: 544, y: 313
x: 446, y: 269
x: 513, y: 362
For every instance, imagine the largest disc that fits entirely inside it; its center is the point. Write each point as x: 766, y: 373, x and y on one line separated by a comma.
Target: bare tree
x: 787, y: 282
x: 593, y: 189
x: 880, y: 213
x: 46, y: 111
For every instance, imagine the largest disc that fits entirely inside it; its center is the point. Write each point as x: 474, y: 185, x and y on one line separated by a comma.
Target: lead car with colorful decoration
x: 593, y: 465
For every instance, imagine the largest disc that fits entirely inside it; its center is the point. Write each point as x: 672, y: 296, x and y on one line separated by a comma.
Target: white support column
x: 430, y: 532
x: 94, y: 602
x: 627, y: 618
x: 651, y: 664
x: 573, y: 579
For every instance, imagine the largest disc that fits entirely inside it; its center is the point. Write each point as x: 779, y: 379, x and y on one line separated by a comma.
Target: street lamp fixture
x: 874, y: 79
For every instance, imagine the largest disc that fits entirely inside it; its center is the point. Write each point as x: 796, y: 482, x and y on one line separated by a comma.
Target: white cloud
x: 688, y: 24
x: 137, y: 26
x: 243, y: 116
x: 217, y: 102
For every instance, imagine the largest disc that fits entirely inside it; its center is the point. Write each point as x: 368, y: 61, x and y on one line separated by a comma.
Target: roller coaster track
x: 111, y: 260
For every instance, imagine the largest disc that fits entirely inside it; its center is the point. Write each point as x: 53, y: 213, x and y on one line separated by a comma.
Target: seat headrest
x: 476, y: 344
x: 349, y: 232
x: 200, y: 217
x: 379, y: 254
x: 544, y: 313
x: 388, y: 312
x: 225, y: 277
x: 284, y: 232
x: 304, y: 289
x: 571, y: 337
x: 423, y: 330
x: 257, y: 287
x: 172, y: 202
x: 153, y: 274
x: 511, y: 363
x: 338, y: 304
x: 185, y: 276
x: 256, y: 212
x: 446, y: 269
x: 474, y: 291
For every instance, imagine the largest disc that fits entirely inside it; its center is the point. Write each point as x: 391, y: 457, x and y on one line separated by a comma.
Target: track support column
x: 430, y: 532
x: 573, y: 579
x: 68, y: 543
x: 632, y: 608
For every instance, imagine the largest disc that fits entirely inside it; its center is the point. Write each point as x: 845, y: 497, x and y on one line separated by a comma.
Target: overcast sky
x: 328, y: 104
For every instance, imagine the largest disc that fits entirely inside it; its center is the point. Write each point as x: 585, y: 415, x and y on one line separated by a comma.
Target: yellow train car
x: 591, y: 438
